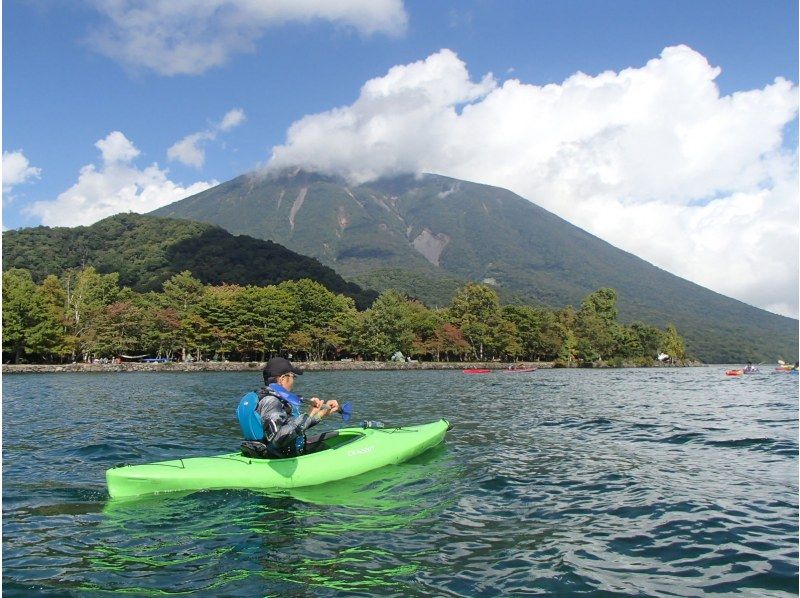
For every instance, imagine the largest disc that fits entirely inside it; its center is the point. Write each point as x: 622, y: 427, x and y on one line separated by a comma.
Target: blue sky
x: 72, y: 76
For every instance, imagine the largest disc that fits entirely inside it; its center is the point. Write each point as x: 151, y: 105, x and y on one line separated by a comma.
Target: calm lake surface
x: 657, y: 482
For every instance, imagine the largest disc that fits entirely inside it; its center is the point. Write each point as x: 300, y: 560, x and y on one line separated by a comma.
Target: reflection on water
x: 654, y: 482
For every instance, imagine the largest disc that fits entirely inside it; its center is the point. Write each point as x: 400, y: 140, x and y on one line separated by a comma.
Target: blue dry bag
x: 248, y: 418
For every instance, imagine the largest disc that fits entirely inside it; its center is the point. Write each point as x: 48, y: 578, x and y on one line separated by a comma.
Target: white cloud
x: 652, y: 159
x: 117, y: 185
x: 233, y: 118
x: 17, y: 170
x: 192, y: 36
x: 191, y: 151
x: 116, y: 148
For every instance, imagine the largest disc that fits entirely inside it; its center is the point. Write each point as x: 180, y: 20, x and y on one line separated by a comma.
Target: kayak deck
x: 351, y: 452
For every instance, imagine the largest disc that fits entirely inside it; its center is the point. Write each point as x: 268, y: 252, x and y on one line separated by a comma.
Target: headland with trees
x: 85, y: 316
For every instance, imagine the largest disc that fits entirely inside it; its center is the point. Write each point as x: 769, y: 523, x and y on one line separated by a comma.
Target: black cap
x: 278, y: 366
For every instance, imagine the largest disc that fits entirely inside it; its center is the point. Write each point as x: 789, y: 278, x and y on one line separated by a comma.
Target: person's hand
x: 318, y: 408
x: 333, y: 405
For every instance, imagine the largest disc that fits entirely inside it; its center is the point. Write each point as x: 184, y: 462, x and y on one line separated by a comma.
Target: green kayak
x: 346, y: 453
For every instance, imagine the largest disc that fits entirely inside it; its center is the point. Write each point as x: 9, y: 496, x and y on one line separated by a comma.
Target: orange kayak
x: 476, y: 371
x: 734, y: 372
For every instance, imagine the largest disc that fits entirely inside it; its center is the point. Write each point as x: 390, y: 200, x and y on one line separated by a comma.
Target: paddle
x: 345, y: 410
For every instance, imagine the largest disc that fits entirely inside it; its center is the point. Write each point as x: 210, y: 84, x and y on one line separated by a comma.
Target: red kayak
x: 476, y: 371
x: 734, y: 372
x: 519, y: 370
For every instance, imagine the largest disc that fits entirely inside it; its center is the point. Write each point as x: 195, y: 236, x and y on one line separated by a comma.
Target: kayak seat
x: 257, y: 450
x: 249, y: 421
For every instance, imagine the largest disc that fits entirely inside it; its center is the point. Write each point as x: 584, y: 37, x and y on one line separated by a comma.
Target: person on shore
x: 279, y: 410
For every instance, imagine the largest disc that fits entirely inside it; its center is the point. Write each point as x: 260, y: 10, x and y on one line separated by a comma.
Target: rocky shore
x: 239, y: 366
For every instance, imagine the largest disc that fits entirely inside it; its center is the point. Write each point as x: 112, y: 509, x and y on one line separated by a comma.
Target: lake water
x: 658, y: 482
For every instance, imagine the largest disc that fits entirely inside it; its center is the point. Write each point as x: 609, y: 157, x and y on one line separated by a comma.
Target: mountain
x: 426, y: 235
x: 147, y: 250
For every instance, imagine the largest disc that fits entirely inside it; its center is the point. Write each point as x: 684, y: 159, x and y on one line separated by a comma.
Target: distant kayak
x: 518, y: 370
x: 476, y: 371
x: 734, y: 372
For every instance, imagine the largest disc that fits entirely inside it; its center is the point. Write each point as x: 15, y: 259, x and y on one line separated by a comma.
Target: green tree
x: 56, y: 299
x: 538, y: 332
x: 424, y: 325
x: 387, y: 326
x: 552, y: 337
x: 265, y: 316
x: 568, y: 352
x: 595, y: 325
x: 626, y: 342
x: 29, y: 325
x: 475, y: 309
x: 228, y: 331
x: 183, y: 292
x: 119, y: 329
x: 650, y: 339
x: 603, y: 302
x: 503, y: 339
x: 87, y: 293
x: 673, y: 343
x: 324, y: 316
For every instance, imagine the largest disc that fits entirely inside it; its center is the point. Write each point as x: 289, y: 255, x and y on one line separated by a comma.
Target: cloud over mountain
x: 651, y: 158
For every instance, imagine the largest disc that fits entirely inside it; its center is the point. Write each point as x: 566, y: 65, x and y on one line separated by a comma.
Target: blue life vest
x: 291, y: 398
x: 250, y: 422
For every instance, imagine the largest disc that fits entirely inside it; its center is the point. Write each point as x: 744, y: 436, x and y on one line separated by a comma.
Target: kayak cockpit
x: 315, y: 444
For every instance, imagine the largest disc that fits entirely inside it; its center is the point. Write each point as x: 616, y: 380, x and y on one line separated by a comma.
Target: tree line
x: 84, y: 315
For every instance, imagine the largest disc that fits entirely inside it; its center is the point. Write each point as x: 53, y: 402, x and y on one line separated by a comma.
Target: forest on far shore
x: 84, y: 315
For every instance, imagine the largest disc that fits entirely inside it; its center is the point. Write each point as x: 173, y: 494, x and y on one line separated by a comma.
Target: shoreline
x: 311, y: 366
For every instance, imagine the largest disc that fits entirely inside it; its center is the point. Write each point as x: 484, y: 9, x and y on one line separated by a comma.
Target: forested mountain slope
x: 423, y: 234
x: 147, y: 250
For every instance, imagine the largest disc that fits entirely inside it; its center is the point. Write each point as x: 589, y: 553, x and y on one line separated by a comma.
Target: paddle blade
x: 346, y: 411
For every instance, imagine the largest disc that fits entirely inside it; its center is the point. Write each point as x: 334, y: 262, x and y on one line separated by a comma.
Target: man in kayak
x: 279, y: 409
